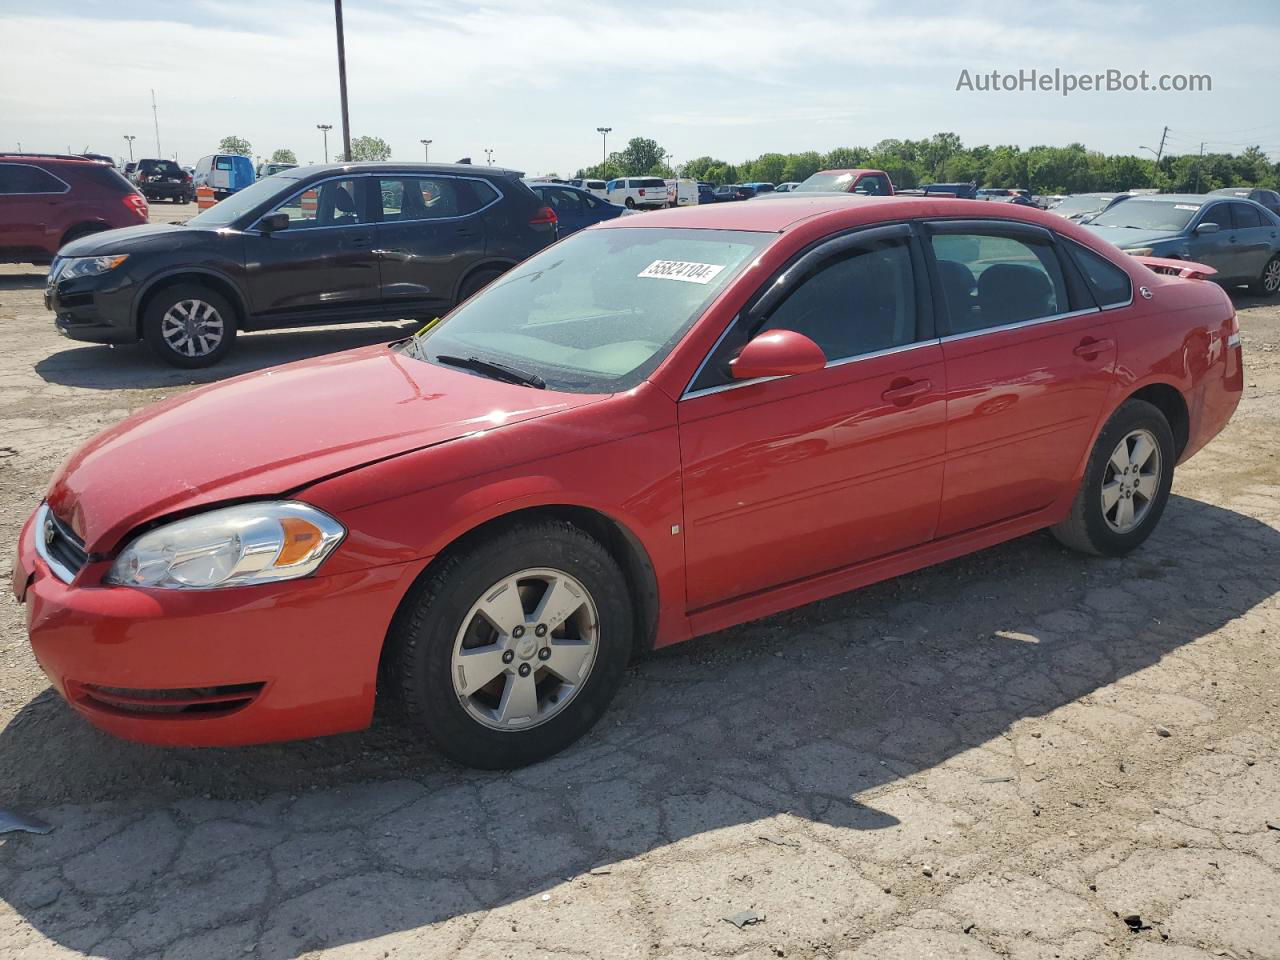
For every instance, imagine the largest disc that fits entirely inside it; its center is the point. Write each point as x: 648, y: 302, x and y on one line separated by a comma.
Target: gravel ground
x: 1024, y: 753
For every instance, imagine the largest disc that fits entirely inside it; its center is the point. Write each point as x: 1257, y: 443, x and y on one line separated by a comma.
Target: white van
x: 594, y: 187
x: 682, y: 193
x: 637, y: 192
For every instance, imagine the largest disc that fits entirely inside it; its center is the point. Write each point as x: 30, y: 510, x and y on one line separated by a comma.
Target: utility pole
x: 156, y: 117
x: 324, y: 128
x: 1198, y: 163
x: 426, y: 150
x: 342, y: 81
x: 130, y: 137
x: 604, y: 143
x: 1160, y: 152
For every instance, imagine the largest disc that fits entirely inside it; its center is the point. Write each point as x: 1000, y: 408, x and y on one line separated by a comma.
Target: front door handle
x: 360, y: 241
x: 907, y: 392
x: 1091, y: 348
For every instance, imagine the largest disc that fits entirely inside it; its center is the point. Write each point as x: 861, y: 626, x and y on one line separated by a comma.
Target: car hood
x: 143, y: 238
x: 1128, y: 237
x: 269, y: 433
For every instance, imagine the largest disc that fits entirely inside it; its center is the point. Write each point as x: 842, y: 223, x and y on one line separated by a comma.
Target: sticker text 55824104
x: 681, y: 270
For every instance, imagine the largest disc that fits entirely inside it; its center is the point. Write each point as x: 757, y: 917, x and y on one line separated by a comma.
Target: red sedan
x: 660, y: 427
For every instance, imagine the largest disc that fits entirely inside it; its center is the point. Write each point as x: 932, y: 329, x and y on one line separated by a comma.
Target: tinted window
x: 874, y: 185
x: 649, y: 182
x: 166, y: 167
x: 1219, y: 213
x: 860, y: 302
x: 989, y: 281
x: 431, y: 198
x: 24, y: 178
x: 1109, y: 284
x: 1245, y: 215
x: 561, y: 201
x: 329, y: 204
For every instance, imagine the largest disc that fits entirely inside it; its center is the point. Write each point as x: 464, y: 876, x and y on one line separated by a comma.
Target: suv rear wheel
x: 189, y: 325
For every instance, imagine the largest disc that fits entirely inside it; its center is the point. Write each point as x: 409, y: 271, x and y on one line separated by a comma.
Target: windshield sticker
x: 1186, y: 206
x: 681, y: 270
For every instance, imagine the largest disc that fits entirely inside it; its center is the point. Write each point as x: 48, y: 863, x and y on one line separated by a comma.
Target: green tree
x: 284, y: 155
x: 370, y: 148
x: 845, y: 157
x: 235, y: 145
x: 801, y: 166
x: 766, y: 168
x: 641, y: 156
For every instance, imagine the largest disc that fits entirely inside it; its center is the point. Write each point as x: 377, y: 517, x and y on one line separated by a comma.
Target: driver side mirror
x: 778, y: 353
x: 273, y: 222
x: 1204, y: 228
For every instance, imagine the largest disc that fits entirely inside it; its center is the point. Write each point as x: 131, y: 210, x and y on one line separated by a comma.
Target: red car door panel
x: 791, y: 477
x: 1021, y: 407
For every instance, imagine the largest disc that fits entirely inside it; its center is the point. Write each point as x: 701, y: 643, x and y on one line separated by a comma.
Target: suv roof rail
x: 47, y: 156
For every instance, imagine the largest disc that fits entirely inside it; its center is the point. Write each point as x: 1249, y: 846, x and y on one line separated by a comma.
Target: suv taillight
x: 543, y: 217
x: 137, y: 203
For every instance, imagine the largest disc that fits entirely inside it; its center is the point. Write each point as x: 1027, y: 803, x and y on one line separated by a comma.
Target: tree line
x: 943, y: 158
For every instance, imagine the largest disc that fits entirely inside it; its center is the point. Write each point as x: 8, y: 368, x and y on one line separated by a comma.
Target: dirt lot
x: 1005, y: 756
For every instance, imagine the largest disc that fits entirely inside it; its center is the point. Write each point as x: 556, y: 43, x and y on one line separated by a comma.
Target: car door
x: 32, y: 205
x: 786, y: 478
x: 1219, y: 249
x: 1255, y: 239
x: 1029, y: 364
x: 430, y: 232
x: 323, y: 266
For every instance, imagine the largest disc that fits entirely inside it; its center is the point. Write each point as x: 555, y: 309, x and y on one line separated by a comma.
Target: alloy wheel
x: 192, y: 328
x: 525, y: 649
x: 1131, y: 481
x: 1271, y: 276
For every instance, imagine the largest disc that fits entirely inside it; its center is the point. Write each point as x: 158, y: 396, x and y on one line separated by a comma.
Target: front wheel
x: 631, y: 203
x: 189, y: 325
x: 1268, y: 285
x: 1126, y: 483
x: 511, y: 650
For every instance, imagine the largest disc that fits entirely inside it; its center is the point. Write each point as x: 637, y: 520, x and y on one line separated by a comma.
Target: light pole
x: 604, y: 143
x: 324, y: 128
x: 130, y: 137
x: 426, y: 150
x: 489, y: 153
x: 666, y: 158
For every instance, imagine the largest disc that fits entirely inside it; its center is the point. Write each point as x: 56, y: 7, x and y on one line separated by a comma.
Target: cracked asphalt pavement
x: 1025, y: 753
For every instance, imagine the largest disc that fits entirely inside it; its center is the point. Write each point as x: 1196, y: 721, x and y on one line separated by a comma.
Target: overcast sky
x: 532, y: 80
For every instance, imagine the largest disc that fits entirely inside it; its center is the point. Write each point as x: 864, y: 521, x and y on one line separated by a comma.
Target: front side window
x: 333, y: 203
x: 873, y: 186
x: 989, y: 280
x: 597, y: 312
x: 1219, y: 213
x: 17, y: 178
x: 1109, y: 284
x: 860, y: 302
x: 431, y: 198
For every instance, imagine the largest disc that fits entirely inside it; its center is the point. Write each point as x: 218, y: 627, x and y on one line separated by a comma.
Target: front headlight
x: 231, y: 547
x: 1140, y: 251
x: 90, y: 266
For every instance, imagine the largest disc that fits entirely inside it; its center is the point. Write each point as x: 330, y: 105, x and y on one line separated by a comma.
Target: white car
x: 594, y: 187
x: 637, y: 192
x: 682, y: 193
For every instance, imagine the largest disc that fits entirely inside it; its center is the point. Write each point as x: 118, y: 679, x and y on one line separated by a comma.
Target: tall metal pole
x: 1198, y: 163
x: 342, y: 81
x: 324, y: 128
x: 1160, y: 152
x: 489, y: 153
x: 156, y: 116
x: 604, y: 143
x: 130, y: 137
x: 426, y: 150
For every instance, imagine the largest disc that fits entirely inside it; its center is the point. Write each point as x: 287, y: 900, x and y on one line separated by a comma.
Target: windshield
x: 826, y: 181
x: 225, y: 212
x: 598, y: 312
x: 1147, y: 215
x: 1074, y: 205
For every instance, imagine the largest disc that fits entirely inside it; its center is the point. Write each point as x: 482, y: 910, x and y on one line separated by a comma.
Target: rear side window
x: 1245, y: 215
x: 990, y: 280
x: 1109, y: 284
x: 24, y: 178
x: 431, y: 198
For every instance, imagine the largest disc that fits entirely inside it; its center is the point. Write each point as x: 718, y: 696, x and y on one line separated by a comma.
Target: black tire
x: 631, y: 203
x: 1086, y: 528
x: 1268, y: 283
x: 169, y: 297
x: 417, y: 665
x: 477, y: 282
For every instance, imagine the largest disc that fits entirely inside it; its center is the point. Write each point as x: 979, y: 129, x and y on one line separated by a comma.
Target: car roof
x: 396, y: 166
x: 46, y: 158
x: 777, y: 216
x: 1197, y: 198
x: 850, y: 170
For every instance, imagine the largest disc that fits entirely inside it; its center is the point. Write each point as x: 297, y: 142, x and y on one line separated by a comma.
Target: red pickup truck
x: 873, y: 183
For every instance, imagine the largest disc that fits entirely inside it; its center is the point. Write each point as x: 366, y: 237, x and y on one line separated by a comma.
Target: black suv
x: 163, y: 180
x: 324, y: 244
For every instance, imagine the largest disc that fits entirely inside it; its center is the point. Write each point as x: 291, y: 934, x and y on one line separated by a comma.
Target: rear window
x: 594, y: 184
x: 649, y: 182
x: 223, y: 163
x: 159, y: 166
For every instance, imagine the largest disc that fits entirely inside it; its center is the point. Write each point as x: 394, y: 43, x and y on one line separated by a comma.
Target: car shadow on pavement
x: 134, y: 366
x: 791, y: 736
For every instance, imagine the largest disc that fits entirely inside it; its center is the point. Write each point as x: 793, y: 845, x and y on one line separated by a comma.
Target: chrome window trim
x: 856, y: 358
x: 66, y: 187
x: 970, y: 334
x: 43, y: 519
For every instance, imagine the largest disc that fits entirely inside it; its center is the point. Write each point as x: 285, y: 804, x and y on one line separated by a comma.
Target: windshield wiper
x: 499, y: 371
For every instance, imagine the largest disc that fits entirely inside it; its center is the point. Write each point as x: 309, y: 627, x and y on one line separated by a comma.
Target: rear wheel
x: 631, y: 203
x: 189, y: 325
x: 1268, y: 285
x: 511, y: 650
x: 1126, y: 483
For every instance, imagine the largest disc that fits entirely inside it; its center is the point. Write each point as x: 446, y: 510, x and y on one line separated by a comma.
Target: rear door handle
x: 1091, y: 348
x: 361, y: 241
x: 907, y: 392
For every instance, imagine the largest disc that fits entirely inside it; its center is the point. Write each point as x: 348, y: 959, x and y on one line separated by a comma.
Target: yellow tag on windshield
x: 428, y: 327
